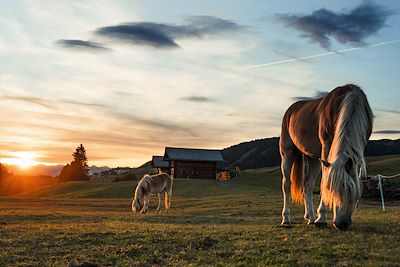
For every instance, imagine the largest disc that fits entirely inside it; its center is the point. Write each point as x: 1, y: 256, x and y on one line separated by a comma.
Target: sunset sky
x: 127, y: 78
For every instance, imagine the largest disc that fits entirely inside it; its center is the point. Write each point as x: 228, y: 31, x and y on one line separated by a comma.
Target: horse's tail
x: 296, y: 180
x: 166, y: 200
x: 168, y: 190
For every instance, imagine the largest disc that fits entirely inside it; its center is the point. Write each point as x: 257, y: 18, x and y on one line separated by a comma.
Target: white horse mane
x: 350, y: 138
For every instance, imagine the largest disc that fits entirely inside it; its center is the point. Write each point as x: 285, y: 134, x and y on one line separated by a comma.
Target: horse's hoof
x: 320, y: 224
x: 286, y: 225
x: 311, y: 222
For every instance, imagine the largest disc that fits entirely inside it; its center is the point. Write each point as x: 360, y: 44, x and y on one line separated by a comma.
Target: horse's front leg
x: 146, y: 204
x: 313, y: 170
x: 160, y: 195
x: 322, y: 211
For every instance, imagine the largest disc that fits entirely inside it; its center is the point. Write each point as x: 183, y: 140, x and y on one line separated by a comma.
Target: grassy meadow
x: 210, y: 223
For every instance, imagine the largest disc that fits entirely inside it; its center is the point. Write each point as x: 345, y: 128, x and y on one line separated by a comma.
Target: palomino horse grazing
x: 152, y: 184
x: 332, y: 130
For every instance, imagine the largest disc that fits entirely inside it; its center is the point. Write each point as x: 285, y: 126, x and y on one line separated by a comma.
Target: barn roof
x: 159, y: 162
x: 192, y: 154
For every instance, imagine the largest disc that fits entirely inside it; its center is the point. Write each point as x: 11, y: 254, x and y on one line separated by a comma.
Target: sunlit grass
x: 210, y: 223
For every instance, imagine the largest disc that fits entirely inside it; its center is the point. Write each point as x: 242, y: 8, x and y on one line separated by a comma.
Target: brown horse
x: 330, y: 132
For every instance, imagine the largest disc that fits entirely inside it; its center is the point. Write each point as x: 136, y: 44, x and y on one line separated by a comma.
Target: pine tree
x: 3, y: 171
x: 78, y: 169
x: 81, y: 158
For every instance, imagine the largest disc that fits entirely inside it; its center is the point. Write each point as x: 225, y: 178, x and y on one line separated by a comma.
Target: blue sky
x: 127, y: 78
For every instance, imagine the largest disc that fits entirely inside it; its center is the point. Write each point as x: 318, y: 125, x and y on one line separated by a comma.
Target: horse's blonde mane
x: 350, y: 138
x: 142, y: 186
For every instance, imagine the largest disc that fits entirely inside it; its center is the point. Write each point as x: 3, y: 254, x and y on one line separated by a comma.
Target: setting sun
x: 23, y: 160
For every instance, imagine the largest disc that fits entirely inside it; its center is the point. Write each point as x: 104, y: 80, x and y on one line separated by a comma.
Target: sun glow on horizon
x: 23, y: 160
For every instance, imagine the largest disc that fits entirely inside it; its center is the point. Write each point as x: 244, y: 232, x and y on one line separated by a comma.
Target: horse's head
x: 341, y: 189
x: 138, y: 200
x: 137, y: 205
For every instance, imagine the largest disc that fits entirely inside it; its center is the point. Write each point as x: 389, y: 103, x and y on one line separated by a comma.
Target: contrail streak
x: 317, y: 55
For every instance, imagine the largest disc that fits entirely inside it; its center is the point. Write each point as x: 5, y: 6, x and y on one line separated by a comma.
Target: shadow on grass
x: 50, y: 218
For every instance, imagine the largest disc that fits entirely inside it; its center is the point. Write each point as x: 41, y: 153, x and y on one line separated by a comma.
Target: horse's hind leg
x: 160, y: 195
x: 313, y: 169
x: 288, y: 158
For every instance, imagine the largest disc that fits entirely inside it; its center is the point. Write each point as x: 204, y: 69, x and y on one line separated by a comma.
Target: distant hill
x: 253, y: 154
x: 146, y: 165
x: 52, y: 170
x: 265, y: 152
x: 95, y: 169
x: 382, y: 147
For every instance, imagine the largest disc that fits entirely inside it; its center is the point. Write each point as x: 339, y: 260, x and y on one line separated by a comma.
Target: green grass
x: 210, y: 223
x: 385, y: 165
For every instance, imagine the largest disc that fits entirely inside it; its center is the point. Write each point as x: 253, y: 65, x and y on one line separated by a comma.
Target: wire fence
x: 380, y: 179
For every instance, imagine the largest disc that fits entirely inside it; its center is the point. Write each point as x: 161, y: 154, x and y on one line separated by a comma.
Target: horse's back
x: 160, y: 182
x: 310, y: 123
x: 162, y: 176
x: 300, y: 128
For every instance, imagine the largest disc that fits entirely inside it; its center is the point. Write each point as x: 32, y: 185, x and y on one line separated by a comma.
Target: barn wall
x: 193, y: 170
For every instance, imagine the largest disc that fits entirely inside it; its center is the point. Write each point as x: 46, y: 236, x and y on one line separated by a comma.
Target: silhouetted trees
x: 78, y: 169
x: 3, y: 171
x: 80, y: 156
x: 382, y: 147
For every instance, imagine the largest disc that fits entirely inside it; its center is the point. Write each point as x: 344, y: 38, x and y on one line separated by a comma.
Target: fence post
x: 381, y: 190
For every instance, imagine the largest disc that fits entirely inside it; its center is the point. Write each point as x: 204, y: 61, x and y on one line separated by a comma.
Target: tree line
x: 77, y: 169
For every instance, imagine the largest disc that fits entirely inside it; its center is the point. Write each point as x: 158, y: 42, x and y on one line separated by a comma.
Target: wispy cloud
x: 346, y: 27
x: 108, y: 111
x: 200, y: 99
x: 389, y: 110
x: 317, y: 94
x: 47, y: 102
x: 81, y: 45
x: 155, y: 124
x: 74, y: 102
x: 160, y: 35
x: 387, y: 132
x: 142, y: 33
x: 28, y: 99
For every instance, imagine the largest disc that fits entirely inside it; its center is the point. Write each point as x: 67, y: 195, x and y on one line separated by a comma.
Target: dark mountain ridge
x: 265, y: 152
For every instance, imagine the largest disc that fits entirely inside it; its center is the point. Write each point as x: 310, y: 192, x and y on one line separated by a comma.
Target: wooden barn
x: 190, y: 163
x: 160, y: 164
